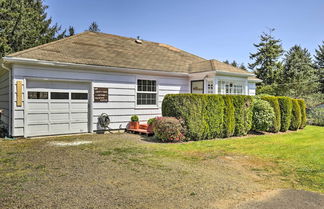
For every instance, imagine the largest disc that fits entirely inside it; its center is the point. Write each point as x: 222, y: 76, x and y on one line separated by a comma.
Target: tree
x: 234, y: 63
x: 226, y: 62
x: 298, y: 78
x: 266, y: 60
x: 24, y: 24
x: 319, y: 64
x: 242, y: 66
x: 94, y: 27
x: 71, y: 31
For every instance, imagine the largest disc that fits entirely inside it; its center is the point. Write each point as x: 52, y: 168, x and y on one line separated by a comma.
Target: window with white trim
x: 231, y: 87
x: 210, y: 86
x: 146, y: 92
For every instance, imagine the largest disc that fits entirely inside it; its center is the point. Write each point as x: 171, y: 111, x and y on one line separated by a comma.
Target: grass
x: 298, y: 156
x: 136, y: 172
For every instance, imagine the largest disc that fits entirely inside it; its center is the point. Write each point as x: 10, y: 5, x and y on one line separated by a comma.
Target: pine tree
x: 319, y: 64
x: 234, y: 63
x: 94, y: 27
x: 298, y: 77
x: 266, y: 64
x: 242, y: 66
x: 71, y: 31
x: 24, y: 24
x: 226, y: 62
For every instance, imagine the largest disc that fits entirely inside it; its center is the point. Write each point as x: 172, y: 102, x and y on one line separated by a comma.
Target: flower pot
x: 150, y: 128
x: 134, y: 125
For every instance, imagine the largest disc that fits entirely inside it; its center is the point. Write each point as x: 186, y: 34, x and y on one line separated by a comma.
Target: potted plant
x: 150, y: 125
x: 134, y: 124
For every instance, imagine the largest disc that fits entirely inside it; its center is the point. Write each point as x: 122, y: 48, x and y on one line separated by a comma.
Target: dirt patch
x: 64, y: 144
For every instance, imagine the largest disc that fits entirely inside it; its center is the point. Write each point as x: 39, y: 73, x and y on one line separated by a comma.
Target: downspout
x: 10, y: 97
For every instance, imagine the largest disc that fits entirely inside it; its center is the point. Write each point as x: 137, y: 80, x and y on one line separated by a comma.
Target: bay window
x: 231, y: 87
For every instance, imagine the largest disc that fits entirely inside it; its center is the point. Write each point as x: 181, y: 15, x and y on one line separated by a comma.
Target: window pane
x: 146, y: 85
x: 37, y: 95
x: 79, y: 96
x: 146, y: 98
x: 59, y: 95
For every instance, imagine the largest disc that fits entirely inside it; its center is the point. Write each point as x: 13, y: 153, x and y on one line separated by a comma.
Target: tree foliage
x: 266, y: 60
x: 24, y: 24
x: 319, y: 64
x: 94, y: 27
x: 298, y: 78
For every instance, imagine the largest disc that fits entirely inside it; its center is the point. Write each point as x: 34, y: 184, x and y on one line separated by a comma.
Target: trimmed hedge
x: 229, y: 120
x: 302, y: 106
x: 168, y: 129
x: 208, y: 116
x: 276, y: 108
x: 263, y: 115
x: 296, y: 115
x: 243, y: 114
x: 285, y: 104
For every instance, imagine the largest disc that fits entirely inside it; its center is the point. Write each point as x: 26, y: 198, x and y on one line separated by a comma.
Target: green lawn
x: 298, y: 157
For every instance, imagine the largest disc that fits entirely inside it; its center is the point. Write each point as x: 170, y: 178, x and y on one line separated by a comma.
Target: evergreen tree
x: 319, y: 63
x: 24, y: 24
x: 234, y: 63
x: 71, y: 31
x: 226, y: 62
x: 298, y: 77
x: 94, y: 27
x: 242, y: 66
x: 266, y: 60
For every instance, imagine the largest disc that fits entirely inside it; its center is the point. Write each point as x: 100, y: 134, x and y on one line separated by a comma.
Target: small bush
x: 263, y: 115
x: 273, y: 101
x: 302, y: 106
x: 151, y: 121
x: 285, y: 104
x: 168, y: 129
x: 134, y: 118
x: 296, y: 115
x: 229, y: 117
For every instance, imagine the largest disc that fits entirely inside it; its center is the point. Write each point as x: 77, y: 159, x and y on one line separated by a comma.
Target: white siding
x: 4, y: 96
x: 122, y: 93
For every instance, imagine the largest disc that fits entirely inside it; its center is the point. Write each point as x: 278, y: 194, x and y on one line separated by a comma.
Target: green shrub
x: 302, y: 106
x: 134, y: 118
x: 276, y: 108
x: 285, y: 104
x: 168, y: 129
x: 243, y: 114
x: 296, y: 115
x: 202, y: 114
x: 263, y: 115
x: 208, y: 116
x: 150, y: 121
x: 229, y: 117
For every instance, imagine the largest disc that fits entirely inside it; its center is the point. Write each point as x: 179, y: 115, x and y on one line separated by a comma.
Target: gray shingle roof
x: 116, y: 51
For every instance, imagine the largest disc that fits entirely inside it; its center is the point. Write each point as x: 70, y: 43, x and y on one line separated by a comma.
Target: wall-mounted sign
x: 197, y: 87
x: 100, y: 94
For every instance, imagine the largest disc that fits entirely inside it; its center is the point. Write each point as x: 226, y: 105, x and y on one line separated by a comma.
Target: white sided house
x: 64, y: 86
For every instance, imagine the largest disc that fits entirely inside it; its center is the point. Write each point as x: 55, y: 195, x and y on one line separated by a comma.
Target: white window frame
x: 137, y: 106
x: 210, y: 86
x: 222, y: 83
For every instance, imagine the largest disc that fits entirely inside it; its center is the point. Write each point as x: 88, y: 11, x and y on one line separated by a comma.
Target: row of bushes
x: 208, y: 116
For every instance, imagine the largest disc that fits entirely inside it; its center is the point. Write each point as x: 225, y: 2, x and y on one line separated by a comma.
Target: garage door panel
x: 38, y: 106
x: 59, y: 128
x: 59, y: 117
x: 38, y: 129
x: 79, y: 116
x: 59, y: 106
x: 79, y: 106
x: 79, y: 127
x: 38, y: 117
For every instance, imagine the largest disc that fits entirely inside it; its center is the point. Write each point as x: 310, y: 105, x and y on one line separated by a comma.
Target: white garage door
x: 56, y: 108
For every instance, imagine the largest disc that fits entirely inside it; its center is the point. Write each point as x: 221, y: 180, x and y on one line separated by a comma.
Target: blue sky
x: 208, y: 28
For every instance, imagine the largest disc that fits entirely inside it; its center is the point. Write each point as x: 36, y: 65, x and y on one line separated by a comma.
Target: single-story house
x: 63, y: 86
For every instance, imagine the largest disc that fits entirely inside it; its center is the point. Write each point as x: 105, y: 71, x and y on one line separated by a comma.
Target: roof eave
x: 28, y: 61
